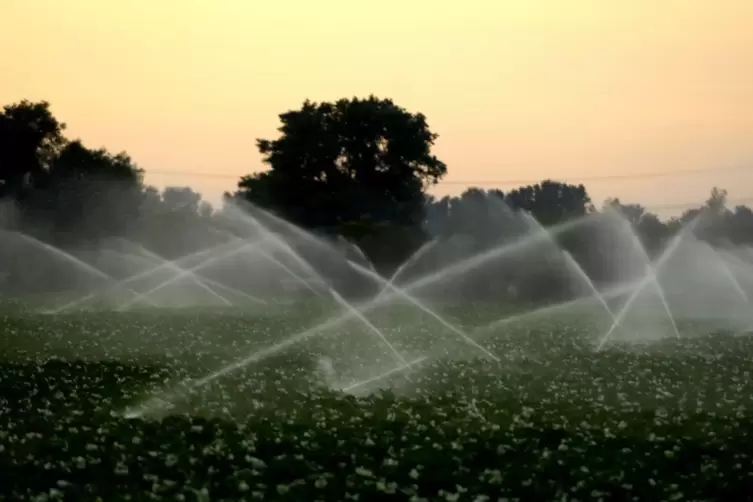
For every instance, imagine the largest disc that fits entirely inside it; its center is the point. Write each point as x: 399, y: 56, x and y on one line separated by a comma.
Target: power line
x: 528, y: 181
x: 644, y: 175
x: 692, y: 205
x: 504, y: 182
x: 193, y: 174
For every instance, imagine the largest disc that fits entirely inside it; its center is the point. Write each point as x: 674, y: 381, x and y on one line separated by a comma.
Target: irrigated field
x: 553, y: 420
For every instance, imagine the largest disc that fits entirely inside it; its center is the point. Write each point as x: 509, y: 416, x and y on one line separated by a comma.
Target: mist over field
x: 332, y: 331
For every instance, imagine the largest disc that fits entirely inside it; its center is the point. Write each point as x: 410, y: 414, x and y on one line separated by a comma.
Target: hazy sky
x: 517, y: 89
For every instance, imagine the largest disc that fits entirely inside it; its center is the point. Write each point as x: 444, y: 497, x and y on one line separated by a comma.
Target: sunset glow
x: 524, y: 89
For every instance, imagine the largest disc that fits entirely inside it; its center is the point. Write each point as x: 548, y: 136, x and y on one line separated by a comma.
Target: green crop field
x: 552, y: 419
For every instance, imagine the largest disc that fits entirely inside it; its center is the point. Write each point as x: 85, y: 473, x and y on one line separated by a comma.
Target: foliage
x: 355, y: 167
x: 85, y: 191
x: 670, y: 423
x: 30, y: 138
x: 553, y: 421
x: 551, y: 202
x: 66, y: 193
x: 354, y: 161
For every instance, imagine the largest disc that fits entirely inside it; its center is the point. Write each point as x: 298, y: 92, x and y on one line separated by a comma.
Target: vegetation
x: 356, y: 167
x: 670, y: 421
x: 553, y: 420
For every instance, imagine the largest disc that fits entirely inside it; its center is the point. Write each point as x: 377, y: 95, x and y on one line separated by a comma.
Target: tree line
x: 359, y: 168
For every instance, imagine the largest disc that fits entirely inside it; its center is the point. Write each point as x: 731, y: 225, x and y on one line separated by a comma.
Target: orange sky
x: 517, y: 89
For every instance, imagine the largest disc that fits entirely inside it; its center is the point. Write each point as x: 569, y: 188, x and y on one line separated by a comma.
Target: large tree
x: 86, y: 193
x: 30, y: 139
x: 355, y: 161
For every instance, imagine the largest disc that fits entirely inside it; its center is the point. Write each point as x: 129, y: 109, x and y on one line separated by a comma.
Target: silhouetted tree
x: 717, y: 201
x: 653, y: 232
x: 86, y: 194
x: 180, y: 200
x: 355, y: 161
x: 151, y: 201
x: 206, y: 210
x: 176, y: 221
x: 358, y: 168
x: 436, y: 213
x: 740, y: 230
x: 715, y: 220
x: 633, y: 213
x: 552, y: 202
x: 649, y: 228
x: 482, y: 215
x: 30, y: 139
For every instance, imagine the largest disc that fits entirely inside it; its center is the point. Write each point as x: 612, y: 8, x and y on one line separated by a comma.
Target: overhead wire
x: 528, y: 181
x: 501, y: 182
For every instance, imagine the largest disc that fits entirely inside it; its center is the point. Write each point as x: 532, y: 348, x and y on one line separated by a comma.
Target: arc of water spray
x: 264, y: 254
x: 219, y: 285
x: 550, y: 309
x: 625, y: 309
x: 338, y: 298
x: 203, y: 285
x: 203, y: 282
x: 72, y: 259
x: 479, y: 259
x: 417, y: 303
x: 361, y: 254
x: 156, y: 401
x: 63, y: 255
x: 651, y: 273
x: 138, y: 276
x: 452, y: 270
x: 571, y: 262
x: 284, y: 246
x: 393, y: 371
x: 187, y: 272
x: 455, y: 268
x: 361, y: 317
x: 730, y: 276
x: 287, y: 270
x: 410, y: 261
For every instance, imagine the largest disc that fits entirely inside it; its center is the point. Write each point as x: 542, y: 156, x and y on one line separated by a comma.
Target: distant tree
x: 688, y: 215
x: 30, y: 139
x: 713, y: 219
x: 176, y: 221
x: 205, y: 209
x: 552, y: 202
x: 482, y: 215
x: 356, y: 167
x: 633, y: 213
x: 364, y: 161
x: 151, y: 201
x: 436, y: 213
x: 653, y: 232
x: 470, y: 214
x: 86, y: 193
x: 181, y: 200
x: 717, y: 201
x: 649, y: 228
x: 741, y: 225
